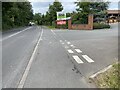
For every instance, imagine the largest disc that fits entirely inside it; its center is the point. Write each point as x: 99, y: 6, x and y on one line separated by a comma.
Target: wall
x: 88, y: 26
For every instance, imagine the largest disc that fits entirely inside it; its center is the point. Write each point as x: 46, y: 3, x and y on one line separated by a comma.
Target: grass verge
x: 51, y: 27
x: 110, y: 78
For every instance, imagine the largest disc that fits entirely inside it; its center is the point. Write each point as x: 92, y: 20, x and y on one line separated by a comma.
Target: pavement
x: 64, y: 58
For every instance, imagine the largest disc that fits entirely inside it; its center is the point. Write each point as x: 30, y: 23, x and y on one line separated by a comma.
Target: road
x: 64, y: 58
x: 17, y: 47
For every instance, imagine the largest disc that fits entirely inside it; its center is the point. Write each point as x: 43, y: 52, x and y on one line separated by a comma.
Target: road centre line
x: 70, y: 51
x: 77, y: 59
x: 25, y: 74
x: 87, y: 58
x: 78, y: 50
x: 15, y: 34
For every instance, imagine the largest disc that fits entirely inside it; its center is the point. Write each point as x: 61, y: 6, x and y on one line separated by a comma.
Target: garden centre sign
x: 61, y: 22
x: 61, y: 15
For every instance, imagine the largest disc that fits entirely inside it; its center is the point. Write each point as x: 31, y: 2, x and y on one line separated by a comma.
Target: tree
x: 53, y: 9
x: 91, y: 7
x: 85, y: 8
x: 16, y: 14
x: 38, y: 18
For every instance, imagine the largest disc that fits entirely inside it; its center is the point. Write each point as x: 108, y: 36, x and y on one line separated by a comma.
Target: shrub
x: 100, y: 26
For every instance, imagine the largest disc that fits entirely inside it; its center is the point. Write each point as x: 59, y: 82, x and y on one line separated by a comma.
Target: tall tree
x: 16, y: 14
x: 38, y: 18
x: 91, y: 7
x: 53, y: 9
x: 85, y: 8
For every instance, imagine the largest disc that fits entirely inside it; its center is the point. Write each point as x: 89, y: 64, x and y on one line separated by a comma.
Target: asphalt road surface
x: 17, y: 47
x: 64, y: 58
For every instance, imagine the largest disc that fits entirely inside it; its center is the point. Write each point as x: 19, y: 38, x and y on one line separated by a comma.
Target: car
x: 31, y: 23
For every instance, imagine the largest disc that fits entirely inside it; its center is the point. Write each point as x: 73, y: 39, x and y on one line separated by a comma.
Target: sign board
x: 61, y: 22
x: 61, y: 15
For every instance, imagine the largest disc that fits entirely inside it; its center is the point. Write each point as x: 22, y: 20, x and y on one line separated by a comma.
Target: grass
x: 110, y: 78
x: 101, y: 26
x: 51, y: 27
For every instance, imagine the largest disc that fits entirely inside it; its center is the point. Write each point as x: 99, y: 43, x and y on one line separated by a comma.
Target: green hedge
x: 100, y: 26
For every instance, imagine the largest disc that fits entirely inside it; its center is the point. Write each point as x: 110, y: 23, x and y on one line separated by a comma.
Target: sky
x: 41, y: 6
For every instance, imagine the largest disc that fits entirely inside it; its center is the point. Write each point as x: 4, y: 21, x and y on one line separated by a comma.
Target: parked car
x: 31, y: 23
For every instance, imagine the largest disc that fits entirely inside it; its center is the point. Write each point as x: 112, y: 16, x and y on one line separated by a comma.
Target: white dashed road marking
x: 68, y: 42
x: 60, y: 40
x: 87, y: 58
x: 78, y: 50
x: 66, y: 47
x: 70, y: 51
x: 72, y: 46
x: 77, y: 59
x: 62, y: 43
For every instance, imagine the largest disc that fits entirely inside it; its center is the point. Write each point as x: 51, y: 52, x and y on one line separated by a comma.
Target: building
x: 113, y: 16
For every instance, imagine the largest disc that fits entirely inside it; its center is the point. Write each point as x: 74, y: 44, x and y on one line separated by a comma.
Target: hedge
x: 100, y: 26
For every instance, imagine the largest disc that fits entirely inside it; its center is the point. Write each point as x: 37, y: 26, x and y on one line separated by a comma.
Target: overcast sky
x: 41, y: 6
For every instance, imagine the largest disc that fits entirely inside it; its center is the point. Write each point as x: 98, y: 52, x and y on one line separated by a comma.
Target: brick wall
x: 88, y: 26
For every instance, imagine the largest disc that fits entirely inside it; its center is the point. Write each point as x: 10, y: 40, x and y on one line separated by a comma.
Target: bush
x: 100, y: 26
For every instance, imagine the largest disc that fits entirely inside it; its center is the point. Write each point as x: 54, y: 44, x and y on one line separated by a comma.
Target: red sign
x: 61, y: 22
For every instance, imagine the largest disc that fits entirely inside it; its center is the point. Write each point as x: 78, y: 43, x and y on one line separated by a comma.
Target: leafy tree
x: 16, y: 14
x: 96, y: 8
x: 53, y: 9
x: 38, y: 18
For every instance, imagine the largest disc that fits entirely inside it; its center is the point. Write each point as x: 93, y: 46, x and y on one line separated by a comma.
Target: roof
x: 113, y: 11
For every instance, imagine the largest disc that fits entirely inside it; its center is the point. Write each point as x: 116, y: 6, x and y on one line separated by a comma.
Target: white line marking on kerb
x: 15, y: 33
x: 77, y: 59
x: 78, y: 50
x: 68, y: 42
x: 87, y: 58
x: 70, y: 51
x: 24, y: 77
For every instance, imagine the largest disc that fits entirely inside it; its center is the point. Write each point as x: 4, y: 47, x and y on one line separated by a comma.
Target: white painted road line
x: 66, y: 47
x: 70, y: 51
x: 53, y: 32
x: 77, y: 59
x: 87, y: 58
x: 25, y: 74
x: 68, y: 42
x: 15, y: 33
x: 78, y: 50
x: 72, y: 46
x: 60, y: 40
x: 62, y: 43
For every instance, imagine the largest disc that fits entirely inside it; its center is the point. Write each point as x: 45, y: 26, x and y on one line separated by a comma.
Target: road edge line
x: 15, y: 34
x: 25, y: 74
